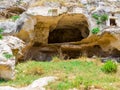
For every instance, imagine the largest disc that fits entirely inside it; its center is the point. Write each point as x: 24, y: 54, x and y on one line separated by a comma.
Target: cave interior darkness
x: 64, y: 35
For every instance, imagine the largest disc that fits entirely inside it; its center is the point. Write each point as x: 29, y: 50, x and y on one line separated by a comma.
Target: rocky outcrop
x: 40, y: 31
x: 10, y: 48
x: 10, y: 8
x: 105, y: 44
x: 43, y: 29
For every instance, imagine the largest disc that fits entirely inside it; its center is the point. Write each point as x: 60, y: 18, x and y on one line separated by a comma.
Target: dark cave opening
x: 64, y: 35
x: 113, y: 22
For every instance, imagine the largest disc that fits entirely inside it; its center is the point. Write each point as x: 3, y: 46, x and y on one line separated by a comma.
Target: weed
x: 109, y: 67
x: 100, y: 18
x: 96, y: 16
x: 7, y: 55
x: 1, y: 31
x: 104, y: 17
x: 1, y: 36
x: 95, y: 30
x: 14, y: 18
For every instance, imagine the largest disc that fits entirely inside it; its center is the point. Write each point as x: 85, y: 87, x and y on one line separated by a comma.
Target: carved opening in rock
x: 115, y: 53
x: 62, y: 36
x: 71, y: 54
x: 112, y: 22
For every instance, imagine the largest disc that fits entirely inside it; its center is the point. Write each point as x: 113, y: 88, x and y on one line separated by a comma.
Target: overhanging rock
x: 43, y: 32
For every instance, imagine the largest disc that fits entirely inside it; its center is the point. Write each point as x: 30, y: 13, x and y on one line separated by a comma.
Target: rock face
x: 44, y: 31
x: 10, y: 47
x: 105, y: 44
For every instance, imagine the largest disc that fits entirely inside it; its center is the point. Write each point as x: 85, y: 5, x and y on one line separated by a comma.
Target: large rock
x: 10, y: 47
x: 38, y: 84
x: 10, y: 26
x: 6, y: 64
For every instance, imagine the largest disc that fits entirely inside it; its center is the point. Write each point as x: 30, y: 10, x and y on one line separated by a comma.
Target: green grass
x: 71, y: 74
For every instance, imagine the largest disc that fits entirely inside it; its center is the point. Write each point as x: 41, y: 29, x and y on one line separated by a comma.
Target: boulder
x: 7, y: 64
x: 11, y: 26
x: 10, y: 47
x: 38, y: 84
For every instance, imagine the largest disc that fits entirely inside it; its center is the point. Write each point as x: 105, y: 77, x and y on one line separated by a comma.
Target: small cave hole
x: 113, y: 22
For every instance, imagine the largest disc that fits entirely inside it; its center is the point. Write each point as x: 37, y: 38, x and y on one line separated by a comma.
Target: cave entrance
x: 113, y: 22
x: 64, y: 35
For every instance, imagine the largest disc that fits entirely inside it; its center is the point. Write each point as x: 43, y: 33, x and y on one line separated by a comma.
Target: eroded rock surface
x: 49, y: 30
x: 105, y: 44
x: 10, y: 47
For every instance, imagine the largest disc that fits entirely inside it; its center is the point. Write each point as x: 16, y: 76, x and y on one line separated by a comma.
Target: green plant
x: 1, y: 36
x: 104, y: 17
x: 95, y: 16
x: 109, y: 67
x: 1, y: 30
x: 95, y: 30
x: 49, y: 11
x: 14, y: 18
x: 7, y: 55
x: 100, y: 18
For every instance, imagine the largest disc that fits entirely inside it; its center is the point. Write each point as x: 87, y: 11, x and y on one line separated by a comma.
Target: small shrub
x: 98, y: 22
x: 1, y: 36
x: 104, y: 17
x: 14, y: 18
x: 1, y: 30
x: 95, y: 30
x: 95, y: 16
x: 7, y: 55
x: 109, y: 67
x: 100, y: 18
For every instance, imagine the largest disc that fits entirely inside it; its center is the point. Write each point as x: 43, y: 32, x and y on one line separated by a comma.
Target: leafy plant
x: 14, y: 18
x: 95, y: 16
x: 100, y: 18
x: 1, y: 30
x: 7, y: 55
x: 109, y: 67
x: 1, y: 36
x: 95, y: 30
x: 104, y: 17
